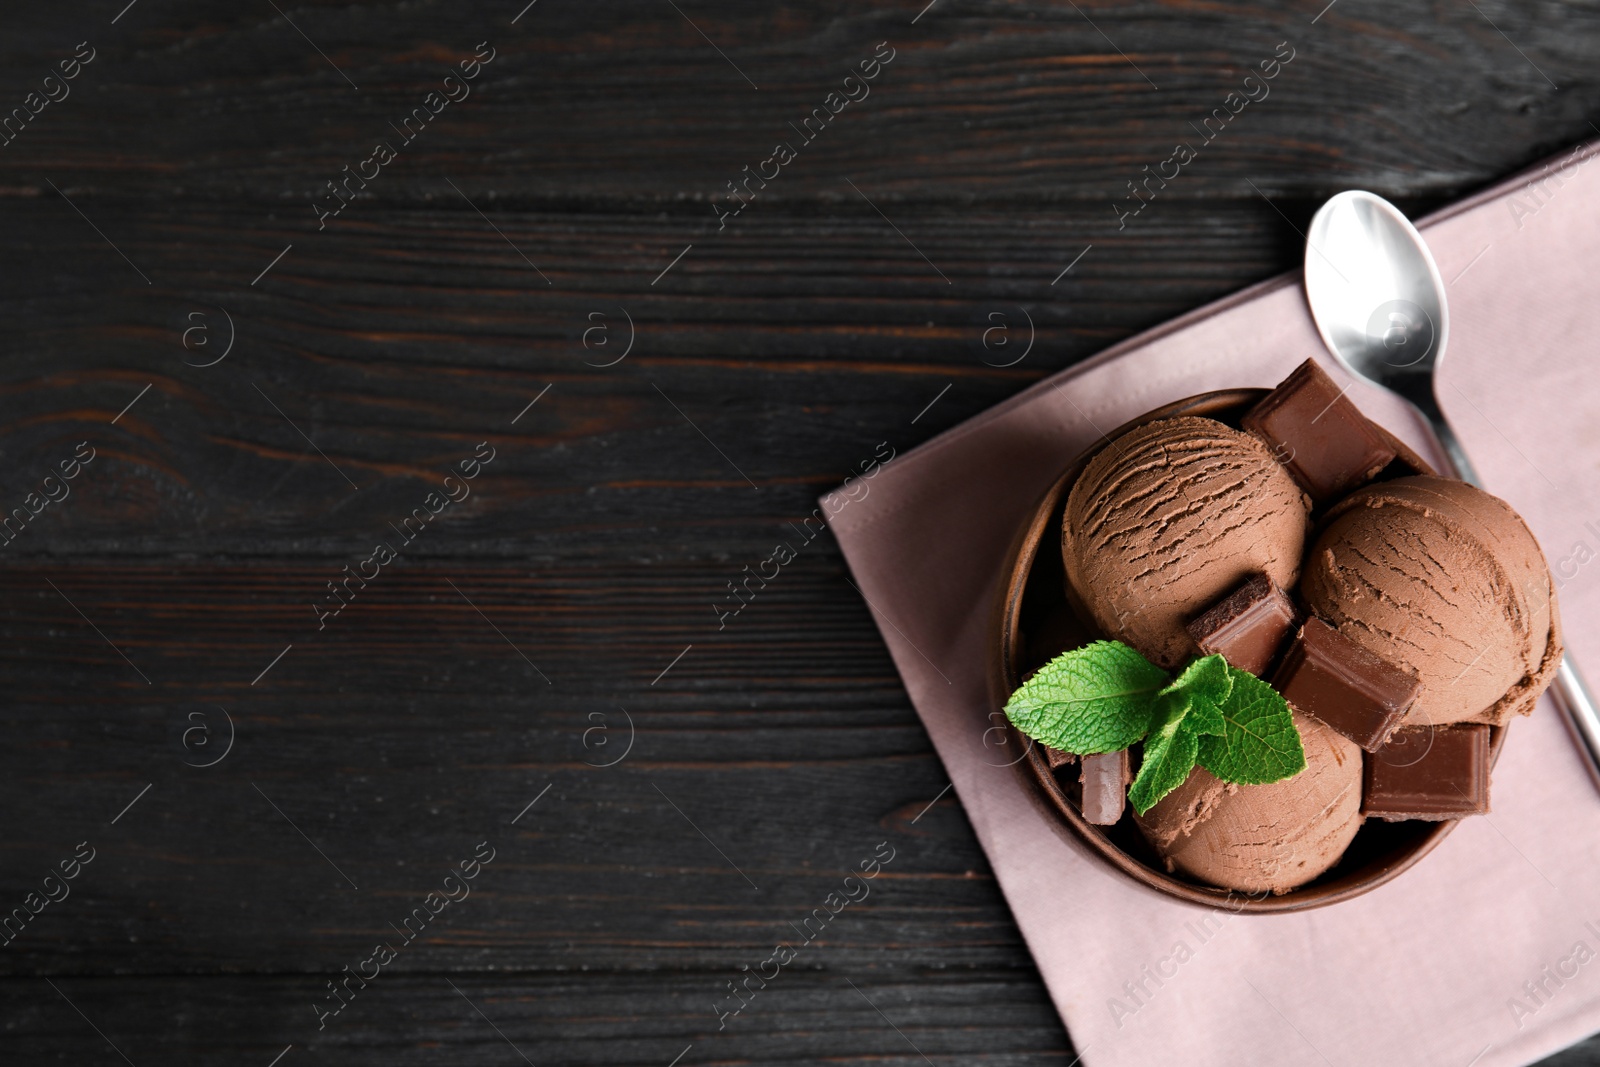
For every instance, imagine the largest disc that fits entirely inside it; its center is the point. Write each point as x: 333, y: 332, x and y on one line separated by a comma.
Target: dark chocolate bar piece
x: 1319, y: 434
x: 1105, y: 781
x: 1057, y: 757
x: 1329, y: 676
x: 1429, y: 772
x: 1248, y: 626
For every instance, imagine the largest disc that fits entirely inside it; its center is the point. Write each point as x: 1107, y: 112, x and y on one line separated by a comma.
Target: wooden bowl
x: 1039, y: 620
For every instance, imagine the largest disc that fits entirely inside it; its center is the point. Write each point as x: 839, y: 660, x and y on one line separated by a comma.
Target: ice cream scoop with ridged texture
x: 1263, y: 838
x: 1446, y: 581
x: 1169, y: 518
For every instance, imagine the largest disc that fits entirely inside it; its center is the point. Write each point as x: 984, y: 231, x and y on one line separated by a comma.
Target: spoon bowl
x: 1376, y: 295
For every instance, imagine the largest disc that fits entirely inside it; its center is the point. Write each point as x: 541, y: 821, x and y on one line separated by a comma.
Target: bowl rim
x: 1022, y: 558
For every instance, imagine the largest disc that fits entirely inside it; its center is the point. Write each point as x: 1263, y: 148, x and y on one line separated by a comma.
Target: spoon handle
x: 1448, y: 440
x: 1569, y: 689
x: 1458, y: 455
x: 1575, y: 700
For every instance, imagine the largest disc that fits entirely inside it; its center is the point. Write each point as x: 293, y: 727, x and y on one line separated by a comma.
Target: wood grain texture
x: 794, y: 350
x: 993, y: 1017
x: 1003, y: 99
x: 799, y: 723
x: 567, y: 605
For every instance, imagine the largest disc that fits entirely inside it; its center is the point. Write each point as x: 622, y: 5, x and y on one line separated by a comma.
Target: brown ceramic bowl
x: 1038, y: 621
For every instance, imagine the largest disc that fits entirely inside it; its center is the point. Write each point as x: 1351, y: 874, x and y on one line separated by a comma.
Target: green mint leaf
x: 1186, y: 711
x: 1196, y: 696
x: 1169, y: 755
x: 1099, y: 698
x: 1259, y: 743
x: 1188, y: 714
x: 1206, y: 681
x: 1203, y: 717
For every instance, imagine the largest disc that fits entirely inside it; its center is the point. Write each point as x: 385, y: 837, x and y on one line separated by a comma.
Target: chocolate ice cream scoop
x: 1445, y: 581
x: 1170, y: 517
x: 1260, y: 838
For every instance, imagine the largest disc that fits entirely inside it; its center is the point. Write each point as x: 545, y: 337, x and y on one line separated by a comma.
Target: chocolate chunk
x: 1105, y: 781
x: 1246, y: 627
x: 1429, y: 772
x: 1329, y: 676
x: 1319, y: 434
x: 1057, y: 757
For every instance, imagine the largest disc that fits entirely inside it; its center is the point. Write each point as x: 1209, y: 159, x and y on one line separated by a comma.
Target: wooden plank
x: 746, y: 782
x: 1030, y: 101
x: 809, y: 1015
x: 786, y: 355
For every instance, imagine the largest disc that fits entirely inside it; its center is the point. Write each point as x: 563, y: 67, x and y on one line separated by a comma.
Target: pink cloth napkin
x: 1485, y: 953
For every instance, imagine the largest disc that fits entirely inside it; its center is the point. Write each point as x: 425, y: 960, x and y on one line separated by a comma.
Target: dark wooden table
x: 273, y: 374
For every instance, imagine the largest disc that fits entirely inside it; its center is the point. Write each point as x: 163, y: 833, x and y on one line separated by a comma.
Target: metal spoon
x: 1379, y: 303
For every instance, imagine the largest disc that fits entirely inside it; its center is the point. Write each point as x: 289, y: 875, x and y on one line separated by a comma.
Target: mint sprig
x: 1106, y: 696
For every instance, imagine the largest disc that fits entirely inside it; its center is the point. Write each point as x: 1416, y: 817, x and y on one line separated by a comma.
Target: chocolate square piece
x: 1361, y: 695
x: 1429, y: 772
x: 1057, y: 757
x: 1319, y: 434
x: 1246, y: 627
x: 1105, y: 787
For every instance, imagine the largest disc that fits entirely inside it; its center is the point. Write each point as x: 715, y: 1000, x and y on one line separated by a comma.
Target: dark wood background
x: 502, y: 657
